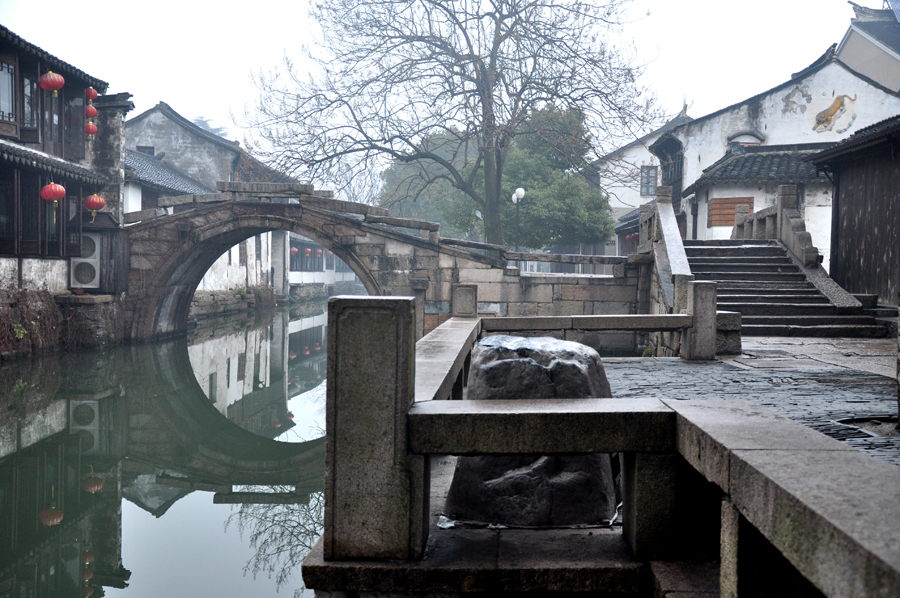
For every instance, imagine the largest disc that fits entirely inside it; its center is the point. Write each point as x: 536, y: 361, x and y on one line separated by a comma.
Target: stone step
x: 746, y: 291
x: 749, y: 286
x: 748, y: 250
x: 750, y: 268
x: 779, y: 309
x: 773, y: 298
x: 703, y: 260
x: 824, y: 320
x: 882, y: 312
x: 728, y: 243
x: 752, y: 276
x: 815, y: 331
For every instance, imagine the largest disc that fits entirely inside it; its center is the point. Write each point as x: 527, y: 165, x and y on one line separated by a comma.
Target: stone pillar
x: 420, y: 289
x: 106, y: 152
x: 786, y: 200
x: 648, y: 509
x: 699, y: 341
x: 740, y: 220
x: 376, y: 493
x: 464, y: 301
x: 281, y: 262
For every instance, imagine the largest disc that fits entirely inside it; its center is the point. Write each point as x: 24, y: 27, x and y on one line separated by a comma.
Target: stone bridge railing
x: 795, y: 509
x: 781, y: 222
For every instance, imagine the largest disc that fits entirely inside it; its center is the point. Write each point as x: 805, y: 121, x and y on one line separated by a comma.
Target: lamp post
x: 516, y: 198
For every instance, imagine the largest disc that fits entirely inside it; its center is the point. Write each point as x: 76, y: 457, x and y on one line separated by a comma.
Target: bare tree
x: 393, y: 73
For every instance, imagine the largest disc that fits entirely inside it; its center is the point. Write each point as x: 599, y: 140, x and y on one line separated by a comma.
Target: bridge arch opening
x: 164, y: 309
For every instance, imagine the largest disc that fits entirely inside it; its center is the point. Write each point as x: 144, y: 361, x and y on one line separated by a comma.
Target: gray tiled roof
x: 886, y: 32
x: 782, y: 164
x: 154, y: 173
x: 25, y: 157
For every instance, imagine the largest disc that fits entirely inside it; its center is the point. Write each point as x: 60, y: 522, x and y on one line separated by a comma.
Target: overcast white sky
x: 197, y: 55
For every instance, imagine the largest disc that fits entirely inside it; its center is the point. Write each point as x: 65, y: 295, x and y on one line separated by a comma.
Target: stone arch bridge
x: 391, y: 256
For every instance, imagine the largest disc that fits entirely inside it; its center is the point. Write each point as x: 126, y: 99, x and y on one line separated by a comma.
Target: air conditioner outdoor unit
x: 84, y: 420
x: 85, y: 270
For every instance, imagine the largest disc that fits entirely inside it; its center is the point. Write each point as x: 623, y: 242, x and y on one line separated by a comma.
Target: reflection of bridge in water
x: 79, y: 432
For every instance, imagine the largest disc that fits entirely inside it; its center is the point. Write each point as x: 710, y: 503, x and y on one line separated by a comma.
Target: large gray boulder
x: 534, y: 490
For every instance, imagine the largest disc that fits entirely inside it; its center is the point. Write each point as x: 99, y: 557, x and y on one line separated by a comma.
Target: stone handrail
x: 781, y: 222
x: 659, y: 234
x: 796, y: 487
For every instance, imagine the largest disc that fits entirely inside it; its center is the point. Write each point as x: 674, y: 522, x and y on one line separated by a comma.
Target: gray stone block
x: 464, y: 300
x: 368, y: 467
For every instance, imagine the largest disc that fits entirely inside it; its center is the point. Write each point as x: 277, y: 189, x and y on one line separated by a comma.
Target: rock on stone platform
x: 534, y: 490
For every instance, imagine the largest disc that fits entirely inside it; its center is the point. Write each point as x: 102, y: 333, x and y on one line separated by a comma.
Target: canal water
x: 187, y: 468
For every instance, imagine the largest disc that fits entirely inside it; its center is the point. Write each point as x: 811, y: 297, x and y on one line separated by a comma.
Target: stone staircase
x: 758, y: 279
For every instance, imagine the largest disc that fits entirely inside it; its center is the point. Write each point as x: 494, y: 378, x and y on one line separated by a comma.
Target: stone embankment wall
x: 214, y: 303
x: 39, y: 321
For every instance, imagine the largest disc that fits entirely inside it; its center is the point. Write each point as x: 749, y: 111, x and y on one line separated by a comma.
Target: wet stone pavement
x: 829, y: 386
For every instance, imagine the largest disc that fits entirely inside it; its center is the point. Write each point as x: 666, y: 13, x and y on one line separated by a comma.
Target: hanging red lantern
x: 94, y: 203
x: 51, y: 81
x: 53, y: 192
x: 317, y: 347
x: 90, y: 94
x: 292, y: 355
x: 276, y: 423
x: 87, y: 591
x: 87, y: 574
x: 318, y: 252
x: 90, y: 129
x: 87, y: 557
x: 307, y: 251
x: 329, y: 253
x: 289, y: 415
x: 90, y: 111
x: 92, y: 484
x: 294, y: 251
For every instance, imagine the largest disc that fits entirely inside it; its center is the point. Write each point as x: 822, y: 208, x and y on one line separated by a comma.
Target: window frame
x: 646, y: 188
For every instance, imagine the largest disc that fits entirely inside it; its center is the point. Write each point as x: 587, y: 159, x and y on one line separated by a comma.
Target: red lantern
x: 53, y: 192
x: 328, y: 253
x: 317, y: 347
x: 289, y: 415
x: 51, y: 81
x: 90, y: 129
x: 307, y: 251
x: 87, y: 557
x: 306, y: 350
x: 50, y: 516
x: 94, y: 203
x: 294, y: 251
x: 90, y: 111
x: 292, y: 355
x: 276, y: 423
x: 318, y: 252
x: 87, y: 574
x: 87, y: 591
x: 91, y: 94
x: 92, y: 484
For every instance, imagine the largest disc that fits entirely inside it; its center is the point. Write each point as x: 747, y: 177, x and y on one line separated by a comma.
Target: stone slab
x: 700, y: 577
x: 632, y: 322
x: 707, y: 430
x: 440, y: 356
x: 833, y: 514
x: 551, y: 426
x: 514, y: 324
x: 72, y: 299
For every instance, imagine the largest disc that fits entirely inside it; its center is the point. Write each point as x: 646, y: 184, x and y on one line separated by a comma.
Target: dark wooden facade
x: 865, y: 229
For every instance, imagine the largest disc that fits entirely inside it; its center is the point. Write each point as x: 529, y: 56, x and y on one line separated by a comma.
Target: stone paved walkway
x: 823, y: 383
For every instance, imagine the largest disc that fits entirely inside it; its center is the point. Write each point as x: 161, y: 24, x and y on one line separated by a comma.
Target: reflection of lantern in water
x: 87, y: 557
x: 292, y: 355
x: 294, y: 251
x: 50, y: 516
x: 317, y: 347
x: 289, y: 415
x: 92, y: 484
x: 306, y: 350
x: 87, y: 574
x: 87, y: 591
x: 276, y: 423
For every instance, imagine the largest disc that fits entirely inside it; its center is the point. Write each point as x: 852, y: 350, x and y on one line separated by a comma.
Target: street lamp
x: 516, y: 198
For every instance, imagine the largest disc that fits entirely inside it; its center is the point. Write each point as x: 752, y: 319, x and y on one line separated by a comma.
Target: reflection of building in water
x: 306, y: 353
x: 60, y: 516
x: 242, y: 375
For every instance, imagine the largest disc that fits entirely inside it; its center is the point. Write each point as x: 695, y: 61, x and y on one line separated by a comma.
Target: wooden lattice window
x: 720, y: 211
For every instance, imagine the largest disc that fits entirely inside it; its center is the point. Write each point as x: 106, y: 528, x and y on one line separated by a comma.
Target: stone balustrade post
x: 699, y: 341
x: 376, y: 492
x: 464, y: 300
x: 648, y: 503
